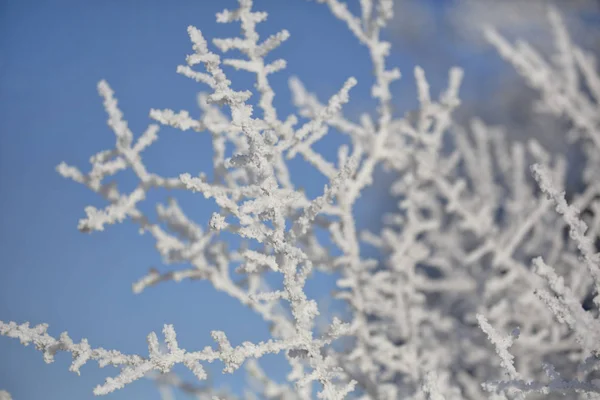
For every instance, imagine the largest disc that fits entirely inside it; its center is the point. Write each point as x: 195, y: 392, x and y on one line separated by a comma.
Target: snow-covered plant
x: 568, y: 84
x: 454, y: 265
x: 569, y: 88
x: 567, y: 306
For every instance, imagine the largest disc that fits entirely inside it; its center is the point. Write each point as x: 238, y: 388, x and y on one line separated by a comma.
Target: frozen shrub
x: 455, y: 257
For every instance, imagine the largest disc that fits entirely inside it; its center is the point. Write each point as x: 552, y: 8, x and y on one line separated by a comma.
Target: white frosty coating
x: 577, y: 228
x: 569, y: 86
x: 430, y: 387
x: 4, y: 395
x: 564, y: 303
x: 458, y: 246
x: 502, y: 344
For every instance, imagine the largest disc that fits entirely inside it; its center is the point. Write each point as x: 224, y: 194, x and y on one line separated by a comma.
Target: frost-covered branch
x: 459, y: 245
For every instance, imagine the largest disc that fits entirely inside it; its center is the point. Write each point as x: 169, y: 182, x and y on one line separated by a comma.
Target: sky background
x: 53, y: 53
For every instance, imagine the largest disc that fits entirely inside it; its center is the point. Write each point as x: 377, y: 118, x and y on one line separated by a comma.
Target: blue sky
x: 53, y: 53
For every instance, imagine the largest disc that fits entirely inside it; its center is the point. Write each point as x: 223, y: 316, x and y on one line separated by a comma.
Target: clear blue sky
x: 53, y: 53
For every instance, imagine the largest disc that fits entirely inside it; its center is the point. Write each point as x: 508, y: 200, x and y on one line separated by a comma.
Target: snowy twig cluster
x: 460, y: 258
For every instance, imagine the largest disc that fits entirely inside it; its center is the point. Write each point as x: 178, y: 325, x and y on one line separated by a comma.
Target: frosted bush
x: 459, y: 258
